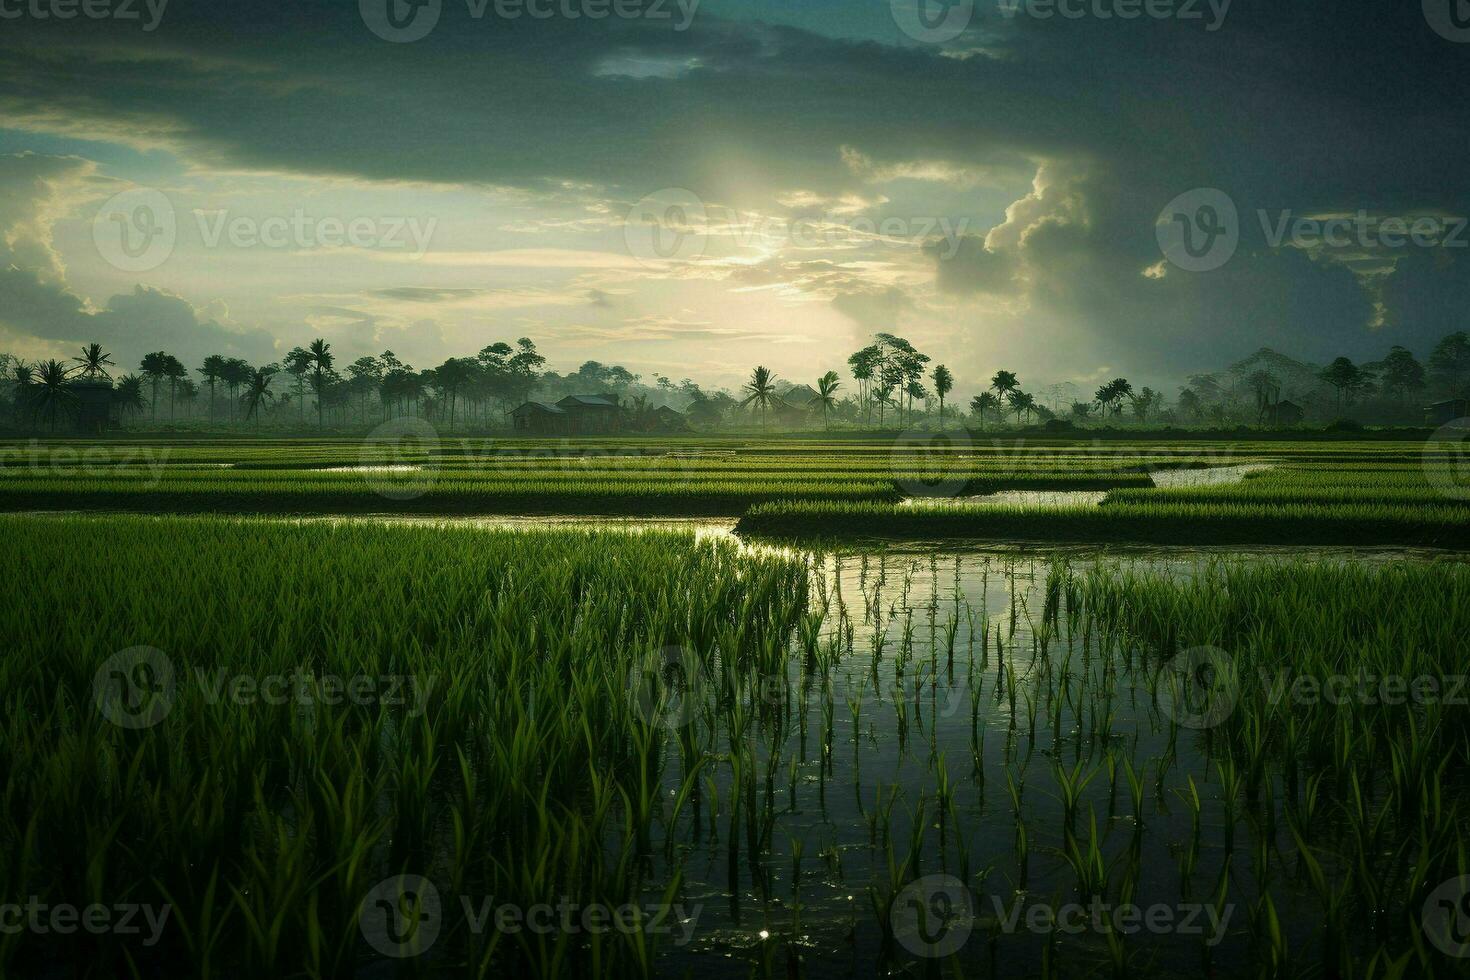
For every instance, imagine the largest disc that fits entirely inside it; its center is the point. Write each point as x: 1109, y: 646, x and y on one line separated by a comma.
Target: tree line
x: 893, y: 383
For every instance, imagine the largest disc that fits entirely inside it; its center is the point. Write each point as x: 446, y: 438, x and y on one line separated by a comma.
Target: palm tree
x: 943, y: 384
x: 258, y: 391
x: 235, y: 374
x: 128, y: 395
x: 22, y: 377
x: 173, y: 370
x: 154, y: 367
x: 94, y: 361
x: 1021, y: 402
x: 983, y: 403
x: 1003, y: 384
x: 213, y: 369
x: 827, y: 386
x: 298, y: 365
x: 762, y: 390
x: 320, y: 353
x: 52, y: 388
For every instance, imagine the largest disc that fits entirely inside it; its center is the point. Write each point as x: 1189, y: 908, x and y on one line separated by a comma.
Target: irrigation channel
x: 954, y: 712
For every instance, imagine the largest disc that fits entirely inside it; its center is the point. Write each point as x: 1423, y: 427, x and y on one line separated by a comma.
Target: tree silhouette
x: 321, y: 362
x: 982, y: 403
x: 212, y: 370
x: 827, y: 386
x: 52, y: 389
x: 761, y: 389
x: 943, y: 385
x: 94, y: 361
x: 154, y: 366
x: 258, y: 391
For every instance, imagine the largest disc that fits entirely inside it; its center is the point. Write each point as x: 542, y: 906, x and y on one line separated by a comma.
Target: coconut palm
x: 943, y: 384
x: 320, y: 354
x: 982, y: 403
x: 52, y: 390
x: 1021, y: 402
x: 258, y: 391
x: 762, y: 390
x: 128, y: 395
x: 235, y: 374
x: 22, y: 377
x: 212, y: 369
x: 154, y: 367
x: 1111, y: 395
x: 94, y: 361
x: 827, y: 386
x: 1003, y: 384
x: 174, y: 371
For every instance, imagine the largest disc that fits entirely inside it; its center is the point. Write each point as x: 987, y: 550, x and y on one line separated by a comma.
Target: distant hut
x: 538, y: 418
x: 1287, y: 413
x: 92, y: 401
x: 592, y: 414
x: 1445, y: 412
x: 668, y: 419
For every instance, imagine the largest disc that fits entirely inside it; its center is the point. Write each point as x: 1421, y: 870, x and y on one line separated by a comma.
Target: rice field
x: 1198, y: 728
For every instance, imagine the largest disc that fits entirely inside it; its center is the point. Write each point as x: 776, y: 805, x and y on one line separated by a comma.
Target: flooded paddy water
x: 956, y: 750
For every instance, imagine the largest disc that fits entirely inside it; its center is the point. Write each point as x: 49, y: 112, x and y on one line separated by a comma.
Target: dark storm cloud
x: 1303, y: 106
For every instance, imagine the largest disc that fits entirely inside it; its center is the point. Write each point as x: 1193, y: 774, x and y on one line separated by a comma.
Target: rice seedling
x: 650, y: 718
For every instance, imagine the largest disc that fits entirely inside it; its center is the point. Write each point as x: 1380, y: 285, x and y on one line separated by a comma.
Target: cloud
x: 1108, y: 120
x: 36, y: 301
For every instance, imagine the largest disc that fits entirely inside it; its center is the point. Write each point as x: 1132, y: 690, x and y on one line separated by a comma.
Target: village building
x: 574, y: 415
x: 1445, y: 412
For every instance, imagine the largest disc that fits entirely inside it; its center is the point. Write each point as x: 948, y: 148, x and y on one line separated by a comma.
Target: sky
x: 1070, y: 189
